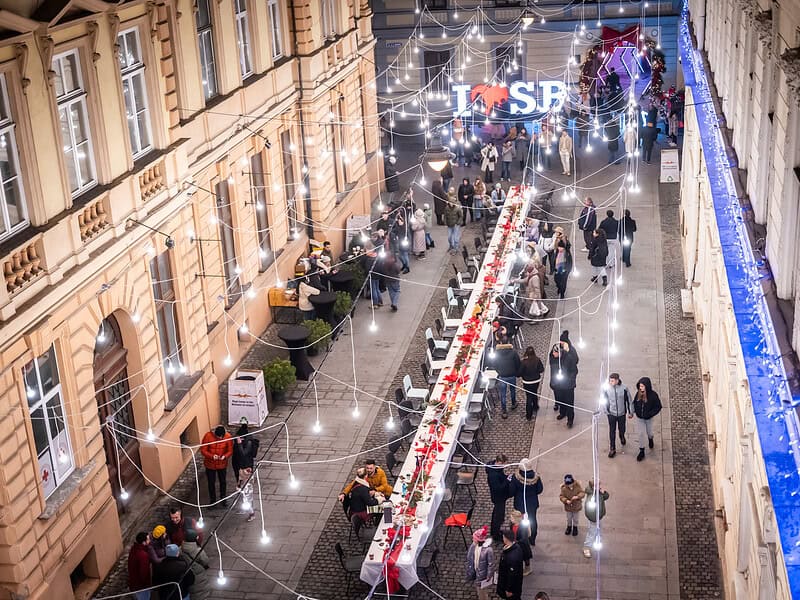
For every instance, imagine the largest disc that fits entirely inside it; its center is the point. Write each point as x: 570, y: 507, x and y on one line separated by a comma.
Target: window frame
x: 290, y: 186
x: 166, y: 305
x: 227, y: 242
x: 42, y: 403
x: 129, y: 73
x: 328, y: 18
x: 275, y: 15
x: 206, y: 33
x: 8, y: 127
x: 79, y: 96
x: 243, y: 38
x: 439, y: 68
x: 258, y: 194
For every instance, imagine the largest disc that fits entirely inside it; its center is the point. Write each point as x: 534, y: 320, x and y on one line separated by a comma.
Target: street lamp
x: 437, y: 156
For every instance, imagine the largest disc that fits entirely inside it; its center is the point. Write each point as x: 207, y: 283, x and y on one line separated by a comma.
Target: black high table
x: 341, y: 281
x: 323, y: 305
x: 295, y: 337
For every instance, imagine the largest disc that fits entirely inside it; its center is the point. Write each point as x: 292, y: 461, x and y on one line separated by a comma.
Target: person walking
x: 610, y: 225
x: 524, y: 487
x: 535, y: 278
x: 631, y: 139
x: 649, y: 135
x: 507, y: 364
x: 565, y: 151
x: 139, y: 576
x: 466, y: 191
x: 454, y: 219
x: 447, y: 175
x: 173, y: 569
x: 571, y: 496
x: 245, y: 450
x: 530, y: 371
x: 509, y: 570
x: 612, y: 134
x: 480, y: 563
x: 595, y: 510
x: 390, y: 273
x: 419, y: 243
x: 458, y: 138
x: 439, y: 200
x: 522, y: 147
x: 428, y: 215
x: 399, y: 242
x: 201, y: 588
x: 372, y: 264
x: 217, y: 449
x: 522, y: 535
x: 587, y: 221
x: 479, y: 192
x: 498, y: 493
x: 508, y: 158
x: 646, y: 405
x: 489, y: 158
x: 598, y: 256
x: 563, y: 377
x: 562, y: 263
x: 617, y: 400
x: 627, y: 229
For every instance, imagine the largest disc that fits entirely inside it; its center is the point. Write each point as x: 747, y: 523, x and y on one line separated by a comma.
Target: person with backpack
x: 617, y: 400
x: 245, y: 450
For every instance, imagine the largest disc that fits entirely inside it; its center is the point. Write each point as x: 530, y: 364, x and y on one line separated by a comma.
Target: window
x: 166, y: 320
x: 435, y: 4
x: 340, y: 156
x: 243, y: 38
x: 13, y: 212
x: 362, y: 97
x: 74, y: 117
x: 275, y: 22
x: 436, y: 65
x: 328, y: 19
x: 230, y: 267
x: 289, y: 185
x: 258, y: 195
x: 205, y: 38
x: 134, y: 90
x: 46, y: 407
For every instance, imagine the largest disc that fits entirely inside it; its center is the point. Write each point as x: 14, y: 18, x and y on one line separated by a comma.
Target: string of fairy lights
x: 418, y: 104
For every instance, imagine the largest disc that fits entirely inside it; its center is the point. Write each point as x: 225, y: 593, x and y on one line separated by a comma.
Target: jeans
x: 566, y: 404
x: 572, y: 518
x: 591, y: 534
x: 477, y: 203
x: 454, y: 236
x: 460, y: 153
x: 428, y: 240
x: 565, y: 161
x: 561, y: 282
x: 626, y: 253
x: 648, y: 151
x: 394, y: 291
x: 531, y: 399
x: 143, y: 595
x: 220, y: 475
x: 375, y: 289
x: 615, y: 423
x: 503, y: 383
x: 402, y: 254
x: 645, y: 428
x: 446, y: 183
x: 505, y: 170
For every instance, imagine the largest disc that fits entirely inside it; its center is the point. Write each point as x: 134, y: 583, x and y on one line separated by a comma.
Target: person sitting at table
x: 360, y: 497
x: 305, y: 291
x: 376, y: 478
x: 327, y: 250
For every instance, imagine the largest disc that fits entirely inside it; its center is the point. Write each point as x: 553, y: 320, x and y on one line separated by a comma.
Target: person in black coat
x: 531, y: 371
x: 173, y: 569
x: 612, y: 134
x: 466, y: 191
x: 649, y: 135
x: 506, y: 362
x: 359, y: 498
x: 610, y: 225
x: 587, y: 221
x: 563, y: 377
x: 498, y: 493
x: 627, y: 229
x: 509, y: 571
x: 646, y: 405
x: 598, y: 255
x: 525, y: 486
x: 245, y: 449
x: 439, y: 200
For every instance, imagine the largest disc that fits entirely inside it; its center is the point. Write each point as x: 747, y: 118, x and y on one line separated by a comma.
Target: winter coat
x: 534, y: 282
x: 214, y: 446
x: 525, y: 487
x: 428, y: 214
x: 573, y: 492
x: 531, y: 370
x: 485, y: 568
x: 452, y: 213
x: 651, y: 405
x: 508, y: 152
x: 201, y: 589
x: 465, y: 194
x: 305, y: 292
x: 587, y: 221
x: 360, y: 499
x: 157, y: 549
x: 565, y: 144
x: 590, y: 511
x: 631, y: 137
x: 489, y: 158
x: 418, y: 237
x: 173, y: 570
x: 509, y: 571
x: 610, y: 226
x: 447, y: 171
x: 498, y: 196
x: 618, y: 400
x: 523, y: 145
x: 506, y: 361
x: 377, y: 481
x: 245, y: 451
x: 612, y: 133
x: 598, y: 251
x: 439, y: 197
x: 649, y: 135
x: 479, y: 189
x: 498, y: 483
x: 569, y: 369
x: 627, y: 228
x: 138, y: 567
x: 177, y: 531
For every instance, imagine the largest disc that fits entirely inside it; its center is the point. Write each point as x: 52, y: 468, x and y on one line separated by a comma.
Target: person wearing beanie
x: 201, y: 589
x: 498, y: 195
x: 173, y: 569
x: 571, y: 496
x: 617, y: 400
x: 157, y: 548
x: 498, y: 493
x: 598, y: 256
x: 139, y: 576
x: 217, y: 448
x: 480, y: 562
x: 245, y: 450
x: 525, y: 486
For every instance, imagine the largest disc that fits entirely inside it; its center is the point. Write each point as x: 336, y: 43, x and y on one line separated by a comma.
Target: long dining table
x: 418, y: 491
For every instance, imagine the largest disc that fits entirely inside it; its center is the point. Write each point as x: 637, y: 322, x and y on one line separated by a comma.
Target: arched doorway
x: 114, y: 404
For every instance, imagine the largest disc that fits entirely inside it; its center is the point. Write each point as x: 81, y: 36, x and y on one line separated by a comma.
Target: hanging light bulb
x: 356, y: 413
x: 526, y: 522
x: 251, y: 293
x: 243, y: 328
x: 123, y: 494
x: 151, y: 437
x: 246, y: 505
x: 560, y: 375
x: 612, y: 349
x: 390, y: 422
x: 317, y: 427
x: 598, y: 545
x: 293, y: 482
x: 265, y: 538
x: 581, y: 344
x: 373, y: 327
x: 228, y: 361
x: 221, y: 579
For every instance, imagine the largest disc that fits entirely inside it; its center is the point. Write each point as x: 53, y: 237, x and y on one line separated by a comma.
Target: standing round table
x: 341, y: 281
x: 295, y: 337
x: 323, y: 306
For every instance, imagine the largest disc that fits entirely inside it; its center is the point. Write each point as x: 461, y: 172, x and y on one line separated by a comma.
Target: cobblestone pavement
x: 698, y: 556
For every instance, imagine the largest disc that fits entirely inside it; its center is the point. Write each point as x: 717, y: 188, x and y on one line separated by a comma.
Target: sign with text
x: 670, y: 167
x: 247, y: 398
x: 522, y: 97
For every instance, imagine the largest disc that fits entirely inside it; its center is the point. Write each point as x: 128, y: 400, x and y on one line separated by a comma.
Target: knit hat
x: 420, y: 214
x: 172, y: 550
x: 564, y: 336
x: 569, y: 479
x: 158, y: 531
x: 480, y: 535
x: 190, y: 535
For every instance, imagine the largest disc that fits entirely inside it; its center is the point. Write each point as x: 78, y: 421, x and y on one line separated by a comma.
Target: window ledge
x: 349, y: 187
x: 65, y: 491
x: 180, y: 389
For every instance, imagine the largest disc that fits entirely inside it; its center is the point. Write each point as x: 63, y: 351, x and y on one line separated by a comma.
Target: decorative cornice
x: 789, y: 63
x: 46, y: 48
x: 93, y: 29
x: 21, y: 55
x: 114, y: 23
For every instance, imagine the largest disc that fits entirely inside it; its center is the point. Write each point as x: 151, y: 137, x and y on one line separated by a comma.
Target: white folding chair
x: 451, y: 299
x: 434, y: 365
x: 412, y: 392
x: 439, y: 344
x: 449, y: 323
x: 464, y: 285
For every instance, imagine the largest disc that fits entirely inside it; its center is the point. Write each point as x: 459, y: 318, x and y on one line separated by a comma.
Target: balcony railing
x: 92, y: 220
x: 152, y: 181
x: 21, y: 267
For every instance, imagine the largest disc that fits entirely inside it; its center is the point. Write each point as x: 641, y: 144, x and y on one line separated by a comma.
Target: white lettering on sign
x: 521, y: 96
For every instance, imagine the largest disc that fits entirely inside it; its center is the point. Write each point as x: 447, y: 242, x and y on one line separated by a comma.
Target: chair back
x: 460, y: 280
x: 464, y: 253
x: 405, y: 427
x: 453, y: 283
x: 429, y: 356
x: 444, y: 312
x: 425, y: 373
x: 407, y: 383
x: 455, y: 268
x: 431, y: 345
x: 429, y: 333
x: 478, y: 243
x: 395, y: 445
x: 469, y: 513
x: 451, y: 297
x: 399, y: 398
x: 438, y: 323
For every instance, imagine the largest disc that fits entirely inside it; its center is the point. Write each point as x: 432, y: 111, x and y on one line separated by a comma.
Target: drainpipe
x: 306, y: 179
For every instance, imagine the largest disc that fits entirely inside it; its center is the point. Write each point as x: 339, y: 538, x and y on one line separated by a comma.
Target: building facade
x: 164, y: 164
x: 750, y: 375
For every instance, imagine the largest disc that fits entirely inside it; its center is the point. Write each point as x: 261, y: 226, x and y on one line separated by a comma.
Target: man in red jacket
x: 217, y: 449
x: 139, y: 567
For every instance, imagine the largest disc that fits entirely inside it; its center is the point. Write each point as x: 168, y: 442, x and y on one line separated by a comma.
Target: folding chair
x: 434, y: 365
x: 464, y: 285
x: 351, y: 565
x: 460, y: 521
x: 391, y: 463
x: 426, y: 375
x: 441, y: 344
x: 437, y: 353
x: 446, y: 334
x: 411, y: 392
x: 452, y: 302
x: 450, y: 323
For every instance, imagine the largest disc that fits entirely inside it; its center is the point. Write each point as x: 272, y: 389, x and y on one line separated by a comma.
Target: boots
x: 605, y: 281
x: 640, y: 456
x: 651, y: 443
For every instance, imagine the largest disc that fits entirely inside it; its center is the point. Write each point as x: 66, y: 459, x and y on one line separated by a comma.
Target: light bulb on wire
x: 317, y: 427
x: 264, y: 537
x: 151, y: 437
x: 293, y: 482
x: 221, y: 579
x: 123, y: 494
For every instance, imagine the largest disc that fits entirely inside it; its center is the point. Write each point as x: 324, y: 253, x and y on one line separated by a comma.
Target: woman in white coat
x: 419, y: 244
x: 489, y: 161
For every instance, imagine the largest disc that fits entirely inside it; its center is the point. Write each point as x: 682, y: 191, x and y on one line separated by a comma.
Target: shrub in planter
x: 344, y: 302
x: 359, y: 276
x: 319, y: 335
x: 279, y: 374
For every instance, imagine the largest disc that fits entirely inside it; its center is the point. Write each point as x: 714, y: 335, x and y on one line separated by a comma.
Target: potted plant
x: 359, y: 276
x: 279, y: 374
x: 343, y: 305
x: 318, y: 336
